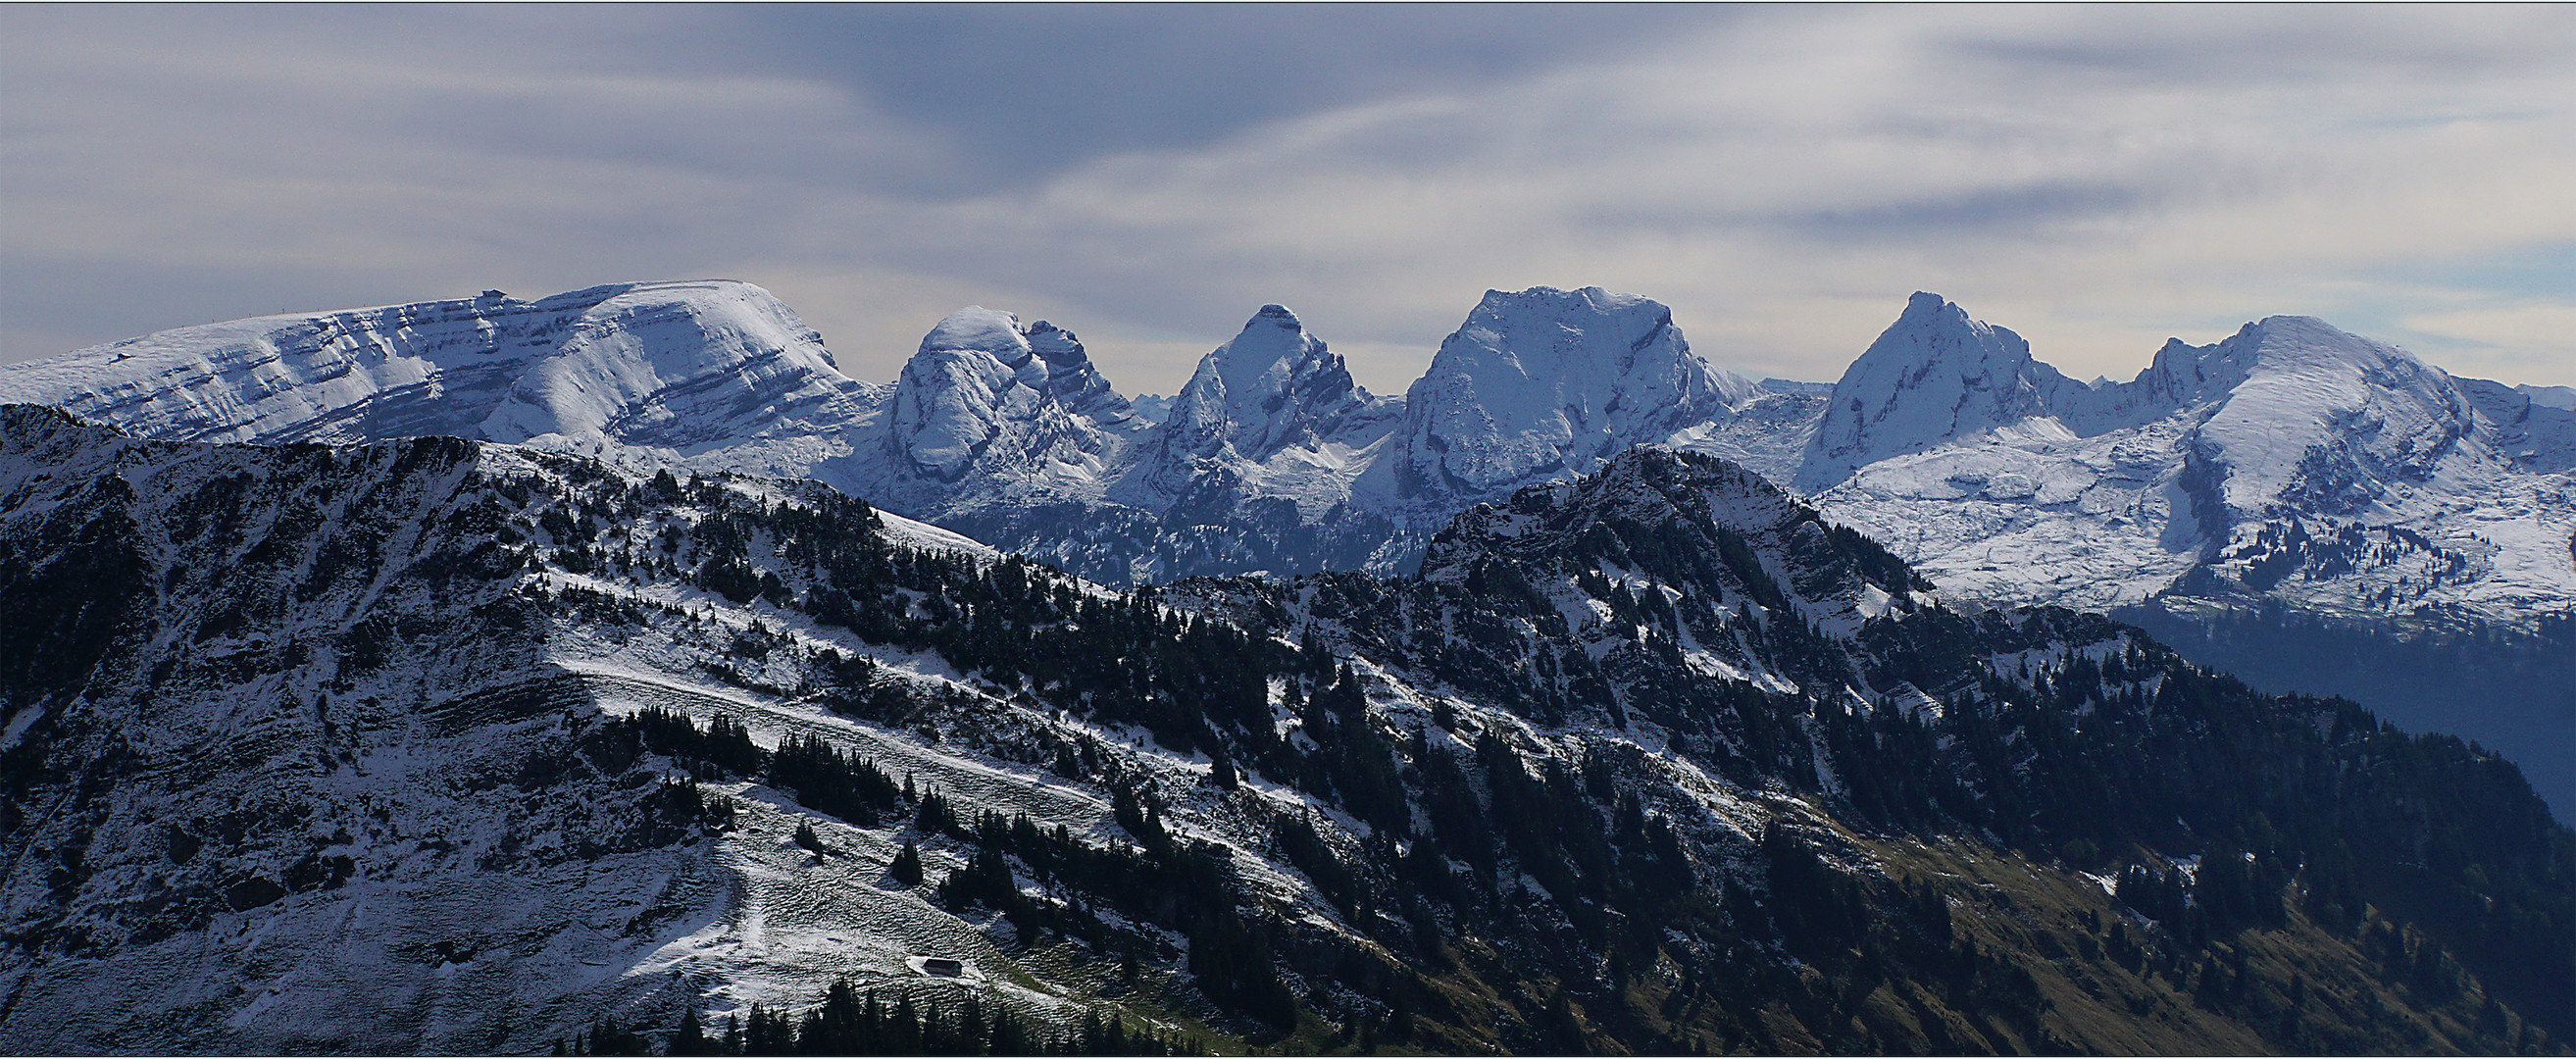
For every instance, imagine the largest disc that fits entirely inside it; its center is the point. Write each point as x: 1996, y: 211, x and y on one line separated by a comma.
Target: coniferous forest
x: 1552, y: 871
x: 1527, y: 800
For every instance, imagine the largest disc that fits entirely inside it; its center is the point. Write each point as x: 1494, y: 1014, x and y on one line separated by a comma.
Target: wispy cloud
x: 2095, y: 177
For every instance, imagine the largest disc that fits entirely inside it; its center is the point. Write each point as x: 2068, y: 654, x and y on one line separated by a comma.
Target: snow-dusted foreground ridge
x: 448, y: 745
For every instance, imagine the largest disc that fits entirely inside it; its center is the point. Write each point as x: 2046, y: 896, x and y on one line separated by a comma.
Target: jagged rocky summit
x: 435, y: 744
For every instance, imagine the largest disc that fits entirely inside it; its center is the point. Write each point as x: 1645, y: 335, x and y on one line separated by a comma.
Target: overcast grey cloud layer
x: 2098, y: 178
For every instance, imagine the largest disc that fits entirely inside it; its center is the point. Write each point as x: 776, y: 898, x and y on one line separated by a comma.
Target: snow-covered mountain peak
x: 1272, y: 386
x: 1255, y: 372
x: 982, y: 379
x: 2213, y: 456
x: 672, y: 365
x: 1933, y: 375
x: 1041, y: 356
x: 1547, y: 383
x: 2184, y: 375
x: 2321, y: 420
x: 668, y: 365
x: 1259, y: 360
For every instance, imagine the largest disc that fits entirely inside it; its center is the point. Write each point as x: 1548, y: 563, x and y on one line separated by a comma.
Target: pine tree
x: 691, y: 1038
x: 907, y: 865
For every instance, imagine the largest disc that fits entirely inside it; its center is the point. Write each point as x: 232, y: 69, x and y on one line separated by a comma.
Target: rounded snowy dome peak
x: 977, y: 328
x: 1277, y: 314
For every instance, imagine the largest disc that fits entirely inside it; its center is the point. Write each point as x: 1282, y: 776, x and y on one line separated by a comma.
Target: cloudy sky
x: 2097, y: 178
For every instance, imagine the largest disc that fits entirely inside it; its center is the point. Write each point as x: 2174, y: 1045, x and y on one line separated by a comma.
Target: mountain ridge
x: 577, y: 739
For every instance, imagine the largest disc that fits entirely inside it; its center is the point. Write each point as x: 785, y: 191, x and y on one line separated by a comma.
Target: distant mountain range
x: 2309, y: 509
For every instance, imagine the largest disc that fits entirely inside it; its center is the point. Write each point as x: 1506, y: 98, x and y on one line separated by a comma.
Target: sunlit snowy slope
x: 2293, y: 459
x: 2311, y: 510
